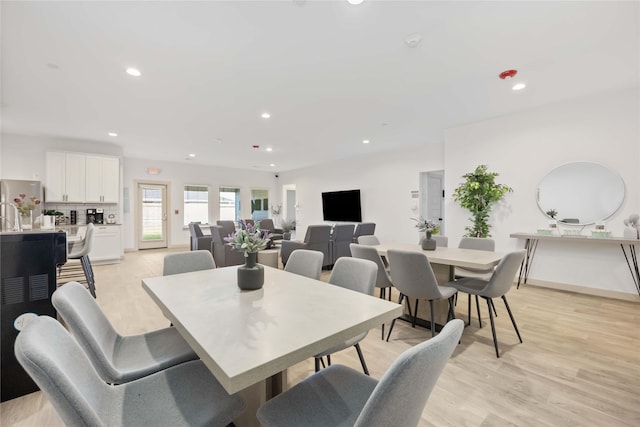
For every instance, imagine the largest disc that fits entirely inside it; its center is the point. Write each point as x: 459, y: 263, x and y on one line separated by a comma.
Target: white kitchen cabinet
x: 107, y: 244
x: 65, y: 177
x: 103, y: 179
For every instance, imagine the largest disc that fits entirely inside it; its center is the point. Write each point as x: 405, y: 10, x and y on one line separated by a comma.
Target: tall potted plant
x: 478, y: 193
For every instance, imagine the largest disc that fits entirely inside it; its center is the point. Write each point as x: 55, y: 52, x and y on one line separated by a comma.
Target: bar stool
x: 80, y: 252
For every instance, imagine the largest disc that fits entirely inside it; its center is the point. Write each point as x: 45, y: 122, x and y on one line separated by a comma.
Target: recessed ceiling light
x: 112, y: 134
x: 355, y: 2
x: 365, y: 141
x: 269, y: 149
x: 519, y: 86
x: 265, y: 115
x: 134, y: 72
x: 192, y: 155
x: 272, y: 165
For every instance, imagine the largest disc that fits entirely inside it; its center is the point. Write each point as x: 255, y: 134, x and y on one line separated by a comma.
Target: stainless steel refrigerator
x: 9, y: 190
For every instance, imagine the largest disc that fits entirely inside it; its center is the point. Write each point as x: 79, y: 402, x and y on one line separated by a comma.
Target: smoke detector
x: 413, y: 40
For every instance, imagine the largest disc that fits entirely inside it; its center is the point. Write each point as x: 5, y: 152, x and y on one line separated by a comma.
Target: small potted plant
x: 250, y: 240
x: 428, y: 227
x: 287, y: 225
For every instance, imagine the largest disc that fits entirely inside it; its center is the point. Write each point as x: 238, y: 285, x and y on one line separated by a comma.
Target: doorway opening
x: 152, y: 215
x: 432, y: 197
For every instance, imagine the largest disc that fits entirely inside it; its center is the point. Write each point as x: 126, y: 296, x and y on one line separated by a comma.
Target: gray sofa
x: 341, y: 238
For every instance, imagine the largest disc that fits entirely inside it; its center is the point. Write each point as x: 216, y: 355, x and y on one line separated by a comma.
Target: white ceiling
x: 331, y: 74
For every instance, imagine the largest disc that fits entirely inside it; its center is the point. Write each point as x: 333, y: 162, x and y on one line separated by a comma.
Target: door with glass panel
x: 152, y: 206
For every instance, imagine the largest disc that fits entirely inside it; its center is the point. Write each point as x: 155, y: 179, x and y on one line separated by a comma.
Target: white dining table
x: 449, y: 257
x: 248, y: 339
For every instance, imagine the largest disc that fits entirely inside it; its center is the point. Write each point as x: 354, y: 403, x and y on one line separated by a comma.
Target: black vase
x: 251, y: 274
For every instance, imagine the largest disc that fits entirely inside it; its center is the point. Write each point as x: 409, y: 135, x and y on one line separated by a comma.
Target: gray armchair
x: 341, y: 238
x: 223, y: 254
x: 198, y: 240
x: 316, y: 239
x: 364, y: 229
x: 267, y: 224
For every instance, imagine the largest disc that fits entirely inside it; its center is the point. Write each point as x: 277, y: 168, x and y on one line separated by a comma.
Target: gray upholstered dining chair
x: 305, y: 263
x: 317, y: 238
x: 364, y: 229
x: 341, y: 238
x: 80, y: 251
x: 498, y: 285
x: 478, y: 244
x: 184, y: 262
x: 369, y: 240
x: 441, y: 241
x: 413, y: 276
x: 383, y: 281
x: 358, y: 275
x: 186, y: 394
x: 117, y: 359
x: 341, y: 396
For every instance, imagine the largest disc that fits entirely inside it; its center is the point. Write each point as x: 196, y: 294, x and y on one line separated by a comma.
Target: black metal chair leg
x: 452, y: 312
x: 495, y: 313
x: 362, y: 362
x: 504, y: 298
x: 433, y: 317
x: 469, y: 310
x: 86, y: 267
x: 493, y: 327
x: 317, y: 364
x: 408, y: 305
x: 478, y: 308
x: 415, y: 314
x: 328, y: 360
x: 391, y: 329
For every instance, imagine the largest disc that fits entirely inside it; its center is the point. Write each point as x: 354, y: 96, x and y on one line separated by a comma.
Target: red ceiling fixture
x: 507, y: 74
x: 256, y: 146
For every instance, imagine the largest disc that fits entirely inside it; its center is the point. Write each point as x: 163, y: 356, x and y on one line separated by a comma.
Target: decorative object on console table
x: 632, y: 227
x: 249, y: 240
x: 478, y: 193
x: 428, y: 227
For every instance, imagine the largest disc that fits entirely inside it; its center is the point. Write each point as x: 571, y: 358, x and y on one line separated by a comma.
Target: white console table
x: 628, y: 247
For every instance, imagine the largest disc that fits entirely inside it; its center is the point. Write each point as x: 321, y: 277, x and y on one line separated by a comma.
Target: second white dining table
x: 248, y: 339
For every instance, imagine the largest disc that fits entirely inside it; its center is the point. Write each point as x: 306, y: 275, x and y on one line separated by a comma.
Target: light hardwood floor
x: 579, y: 364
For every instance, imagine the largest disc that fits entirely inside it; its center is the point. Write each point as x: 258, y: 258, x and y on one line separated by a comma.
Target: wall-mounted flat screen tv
x: 342, y: 206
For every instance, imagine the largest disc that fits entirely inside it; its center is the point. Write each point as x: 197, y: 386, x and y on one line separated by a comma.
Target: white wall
x: 180, y: 174
x: 524, y: 147
x: 23, y: 156
x: 385, y: 181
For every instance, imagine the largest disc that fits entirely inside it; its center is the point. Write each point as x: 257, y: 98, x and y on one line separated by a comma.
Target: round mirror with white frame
x: 580, y: 193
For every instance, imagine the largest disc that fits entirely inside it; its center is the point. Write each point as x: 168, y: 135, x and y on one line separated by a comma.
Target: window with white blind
x: 196, y: 204
x: 230, y: 204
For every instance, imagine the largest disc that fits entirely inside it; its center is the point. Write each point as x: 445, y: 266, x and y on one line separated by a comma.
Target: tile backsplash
x: 82, y: 210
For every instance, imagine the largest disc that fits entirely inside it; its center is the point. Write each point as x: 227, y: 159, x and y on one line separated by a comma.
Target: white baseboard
x: 583, y: 290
